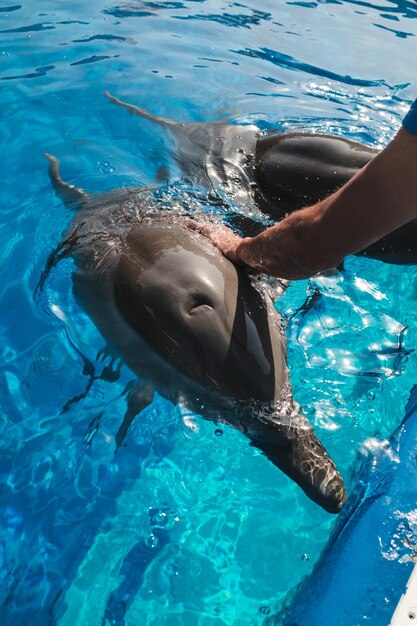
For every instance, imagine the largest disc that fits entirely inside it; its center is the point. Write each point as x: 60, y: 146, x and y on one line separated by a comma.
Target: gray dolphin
x: 274, y: 173
x: 190, y: 324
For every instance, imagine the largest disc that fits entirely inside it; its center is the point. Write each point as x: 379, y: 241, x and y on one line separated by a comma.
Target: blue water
x: 182, y: 526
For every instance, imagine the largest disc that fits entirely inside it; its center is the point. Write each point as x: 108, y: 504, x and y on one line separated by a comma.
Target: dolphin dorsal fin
x: 72, y: 196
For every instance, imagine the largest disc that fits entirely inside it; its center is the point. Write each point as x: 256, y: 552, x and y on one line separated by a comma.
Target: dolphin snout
x: 310, y: 466
x: 300, y: 455
x: 332, y: 494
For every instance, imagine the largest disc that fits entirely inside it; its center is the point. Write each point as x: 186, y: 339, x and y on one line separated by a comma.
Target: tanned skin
x: 380, y: 198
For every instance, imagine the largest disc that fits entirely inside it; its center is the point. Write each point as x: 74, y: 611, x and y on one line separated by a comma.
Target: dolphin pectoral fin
x: 70, y: 195
x: 298, y: 453
x: 313, y: 299
x: 135, y: 110
x: 138, y: 399
x: 111, y: 370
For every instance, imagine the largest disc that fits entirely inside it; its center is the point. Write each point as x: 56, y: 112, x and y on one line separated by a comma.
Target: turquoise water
x: 186, y: 524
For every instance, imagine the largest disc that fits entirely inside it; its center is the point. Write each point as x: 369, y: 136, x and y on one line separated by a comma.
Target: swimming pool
x: 186, y: 524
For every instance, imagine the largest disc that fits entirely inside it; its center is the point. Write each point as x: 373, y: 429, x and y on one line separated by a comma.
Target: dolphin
x: 190, y: 324
x: 272, y: 174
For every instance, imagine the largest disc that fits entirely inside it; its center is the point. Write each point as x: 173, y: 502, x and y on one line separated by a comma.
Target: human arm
x: 377, y: 200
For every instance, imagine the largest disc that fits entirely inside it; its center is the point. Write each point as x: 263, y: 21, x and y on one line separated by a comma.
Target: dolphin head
x: 198, y: 311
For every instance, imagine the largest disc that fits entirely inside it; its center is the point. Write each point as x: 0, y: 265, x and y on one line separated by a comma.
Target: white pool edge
x: 406, y: 612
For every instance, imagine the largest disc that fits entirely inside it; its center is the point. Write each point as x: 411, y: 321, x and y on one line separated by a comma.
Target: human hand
x: 221, y: 236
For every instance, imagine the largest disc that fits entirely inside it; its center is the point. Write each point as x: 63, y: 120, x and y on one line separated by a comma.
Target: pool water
x: 187, y: 524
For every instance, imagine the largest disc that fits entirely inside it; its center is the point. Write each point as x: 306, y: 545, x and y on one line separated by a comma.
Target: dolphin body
x: 272, y: 174
x: 190, y: 325
x: 364, y: 568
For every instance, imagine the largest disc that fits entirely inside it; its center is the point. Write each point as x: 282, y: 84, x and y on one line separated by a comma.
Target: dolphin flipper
x: 140, y: 397
x: 72, y: 196
x: 135, y: 110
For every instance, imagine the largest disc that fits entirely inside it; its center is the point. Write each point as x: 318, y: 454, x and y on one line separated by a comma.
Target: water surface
x: 186, y: 524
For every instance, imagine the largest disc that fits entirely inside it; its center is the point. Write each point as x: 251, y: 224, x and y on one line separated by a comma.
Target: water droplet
x: 152, y: 541
x: 218, y: 432
x: 265, y: 610
x: 305, y: 558
x: 308, y: 410
x: 105, y: 167
x: 159, y: 519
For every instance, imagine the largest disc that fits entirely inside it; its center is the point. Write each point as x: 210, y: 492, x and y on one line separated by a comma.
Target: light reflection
x: 367, y: 287
x: 58, y: 312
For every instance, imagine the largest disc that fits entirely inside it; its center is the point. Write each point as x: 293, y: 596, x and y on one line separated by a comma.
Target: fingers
x: 202, y: 227
x: 221, y: 236
x: 194, y: 225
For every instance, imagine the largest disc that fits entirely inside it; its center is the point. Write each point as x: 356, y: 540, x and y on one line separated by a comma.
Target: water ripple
x: 142, y: 9
x: 68, y: 22
x: 406, y: 8
x: 30, y: 29
x: 14, y: 7
x: 307, y: 5
x: 37, y: 73
x: 99, y: 37
x: 288, y: 62
x: 123, y: 12
x: 93, y: 59
x: 228, y: 19
x: 398, y: 33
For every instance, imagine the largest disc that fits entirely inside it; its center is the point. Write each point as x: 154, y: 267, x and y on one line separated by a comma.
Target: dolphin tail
x: 161, y: 121
x: 297, y: 452
x: 72, y: 196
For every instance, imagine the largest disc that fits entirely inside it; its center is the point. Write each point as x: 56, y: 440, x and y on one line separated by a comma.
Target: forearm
x: 377, y: 200
x: 290, y: 249
x: 312, y: 239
